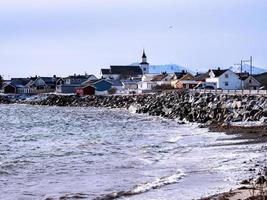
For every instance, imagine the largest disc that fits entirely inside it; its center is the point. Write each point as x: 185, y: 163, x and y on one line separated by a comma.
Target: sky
x: 63, y: 37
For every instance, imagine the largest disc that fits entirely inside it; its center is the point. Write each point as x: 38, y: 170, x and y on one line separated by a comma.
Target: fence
x: 232, y: 92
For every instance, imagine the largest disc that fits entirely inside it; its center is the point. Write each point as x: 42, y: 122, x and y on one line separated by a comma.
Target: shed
x: 86, y: 90
x: 9, y: 89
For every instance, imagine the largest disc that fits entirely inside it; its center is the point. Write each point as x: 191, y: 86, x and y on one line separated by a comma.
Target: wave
x: 133, y: 108
x: 144, y: 187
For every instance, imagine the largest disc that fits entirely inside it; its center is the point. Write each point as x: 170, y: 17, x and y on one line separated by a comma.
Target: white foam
x: 167, y: 180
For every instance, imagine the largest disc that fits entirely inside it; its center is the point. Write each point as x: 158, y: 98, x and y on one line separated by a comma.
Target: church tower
x: 144, y: 64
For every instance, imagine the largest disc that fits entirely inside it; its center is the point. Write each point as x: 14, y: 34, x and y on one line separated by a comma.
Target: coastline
x: 159, y: 105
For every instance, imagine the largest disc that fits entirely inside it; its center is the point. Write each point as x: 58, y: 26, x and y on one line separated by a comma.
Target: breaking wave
x: 144, y: 187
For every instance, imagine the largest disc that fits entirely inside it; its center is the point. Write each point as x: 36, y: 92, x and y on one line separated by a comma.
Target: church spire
x: 144, y: 54
x: 144, y: 64
x: 144, y: 58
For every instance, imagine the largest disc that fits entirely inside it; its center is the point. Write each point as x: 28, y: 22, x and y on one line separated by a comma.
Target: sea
x: 95, y: 153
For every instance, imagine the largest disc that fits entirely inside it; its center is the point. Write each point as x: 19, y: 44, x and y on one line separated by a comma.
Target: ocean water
x: 72, y: 153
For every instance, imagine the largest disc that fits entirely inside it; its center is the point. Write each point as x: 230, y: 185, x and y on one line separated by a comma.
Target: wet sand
x: 252, y: 189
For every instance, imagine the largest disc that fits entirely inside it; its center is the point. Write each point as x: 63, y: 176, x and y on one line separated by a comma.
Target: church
x: 124, y: 72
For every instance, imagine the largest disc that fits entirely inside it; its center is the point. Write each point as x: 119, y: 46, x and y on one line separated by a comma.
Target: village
x: 136, y: 79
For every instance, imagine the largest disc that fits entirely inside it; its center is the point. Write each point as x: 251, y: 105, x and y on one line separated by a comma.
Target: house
x: 163, y: 79
x: 249, y: 82
x: 262, y: 79
x: 201, y: 77
x: 99, y: 87
x: 130, y: 86
x: 148, y: 77
x: 43, y: 84
x: 85, y: 90
x: 69, y: 84
x: 17, y: 86
x: 117, y: 85
x: 225, y: 79
x: 146, y: 86
x: 186, y: 82
x: 177, y: 76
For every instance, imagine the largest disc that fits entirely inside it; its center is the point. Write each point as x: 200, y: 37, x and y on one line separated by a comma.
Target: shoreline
x: 158, y: 105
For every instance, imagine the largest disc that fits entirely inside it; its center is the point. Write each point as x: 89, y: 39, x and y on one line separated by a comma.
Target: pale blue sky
x: 63, y: 37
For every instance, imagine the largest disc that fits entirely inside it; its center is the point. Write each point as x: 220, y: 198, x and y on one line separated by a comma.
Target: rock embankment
x: 4, y: 100
x: 182, y: 106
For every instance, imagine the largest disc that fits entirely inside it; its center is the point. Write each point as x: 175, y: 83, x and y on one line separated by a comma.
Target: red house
x: 86, y: 90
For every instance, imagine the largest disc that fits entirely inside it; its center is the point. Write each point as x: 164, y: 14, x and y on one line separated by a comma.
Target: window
x: 226, y: 83
x: 226, y: 75
x: 144, y: 69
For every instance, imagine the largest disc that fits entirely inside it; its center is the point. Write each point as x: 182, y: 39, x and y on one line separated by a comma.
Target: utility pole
x: 241, y: 70
x: 251, y: 66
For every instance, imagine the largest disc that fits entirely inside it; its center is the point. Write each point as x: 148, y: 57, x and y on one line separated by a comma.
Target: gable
x: 188, y: 76
x: 102, y: 85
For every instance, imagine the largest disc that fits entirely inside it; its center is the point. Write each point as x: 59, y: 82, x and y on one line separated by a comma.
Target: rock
x: 261, y: 180
x: 245, y: 182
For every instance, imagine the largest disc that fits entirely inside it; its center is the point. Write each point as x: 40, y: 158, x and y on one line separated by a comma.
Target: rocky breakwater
x: 208, y: 109
x: 4, y: 100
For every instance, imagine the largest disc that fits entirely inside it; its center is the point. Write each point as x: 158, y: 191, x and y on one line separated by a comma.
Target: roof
x: 126, y: 70
x: 262, y: 78
x: 78, y: 76
x: 19, y: 82
x: 78, y: 79
x: 218, y: 72
x: 159, y: 77
x: 117, y: 83
x: 202, y: 76
x: 88, y: 82
x: 49, y: 80
x: 180, y: 74
x: 130, y: 81
x: 144, y: 54
x: 188, y: 76
x: 105, y: 71
x: 101, y: 85
x: 243, y: 76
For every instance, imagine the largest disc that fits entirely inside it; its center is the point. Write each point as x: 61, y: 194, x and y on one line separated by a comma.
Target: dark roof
x: 78, y: 77
x: 159, y: 77
x: 180, y: 74
x: 20, y: 82
x: 218, y: 72
x: 49, y: 80
x: 202, y: 76
x: 243, y: 76
x: 262, y: 78
x: 105, y: 71
x: 126, y: 70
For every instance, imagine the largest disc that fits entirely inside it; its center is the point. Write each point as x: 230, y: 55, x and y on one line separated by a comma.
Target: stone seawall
x: 181, y: 106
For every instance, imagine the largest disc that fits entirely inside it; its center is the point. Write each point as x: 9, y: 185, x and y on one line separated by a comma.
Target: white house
x: 225, y: 79
x: 146, y: 86
x: 163, y: 79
